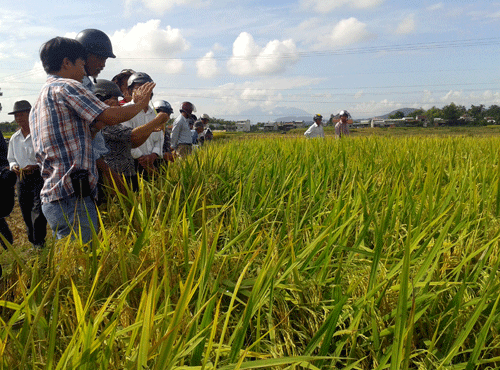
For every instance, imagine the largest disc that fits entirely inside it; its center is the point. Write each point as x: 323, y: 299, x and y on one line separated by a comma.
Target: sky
x: 252, y: 59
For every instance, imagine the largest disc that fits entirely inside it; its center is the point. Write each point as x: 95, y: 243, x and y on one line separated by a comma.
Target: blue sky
x: 367, y: 56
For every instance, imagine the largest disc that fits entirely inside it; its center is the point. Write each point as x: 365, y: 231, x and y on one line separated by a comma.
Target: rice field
x: 277, y: 253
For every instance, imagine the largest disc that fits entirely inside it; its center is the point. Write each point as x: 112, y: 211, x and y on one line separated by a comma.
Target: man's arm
x: 115, y: 115
x: 140, y: 134
x: 174, y: 138
x: 13, y: 164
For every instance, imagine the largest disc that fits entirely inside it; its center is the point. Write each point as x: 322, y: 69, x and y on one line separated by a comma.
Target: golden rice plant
x: 364, y: 253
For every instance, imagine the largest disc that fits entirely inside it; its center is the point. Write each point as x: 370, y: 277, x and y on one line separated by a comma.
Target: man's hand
x: 164, y: 117
x: 147, y: 161
x: 168, y: 157
x: 142, y: 95
x: 16, y: 170
x: 29, y: 169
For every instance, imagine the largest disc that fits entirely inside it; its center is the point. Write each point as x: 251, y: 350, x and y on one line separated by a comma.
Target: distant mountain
x: 406, y: 111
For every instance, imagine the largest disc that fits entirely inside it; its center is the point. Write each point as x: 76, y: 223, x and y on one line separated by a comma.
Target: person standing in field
x: 7, y: 185
x: 197, y: 133
x: 61, y: 124
x: 99, y: 48
x: 22, y: 161
x: 207, y: 133
x: 121, y: 139
x: 121, y: 79
x: 342, y: 128
x: 316, y: 129
x: 181, y: 140
x: 147, y: 155
x: 163, y: 106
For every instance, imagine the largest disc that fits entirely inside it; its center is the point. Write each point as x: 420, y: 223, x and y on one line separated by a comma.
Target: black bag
x: 80, y: 182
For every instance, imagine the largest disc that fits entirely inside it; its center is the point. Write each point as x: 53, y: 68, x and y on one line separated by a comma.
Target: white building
x: 243, y: 126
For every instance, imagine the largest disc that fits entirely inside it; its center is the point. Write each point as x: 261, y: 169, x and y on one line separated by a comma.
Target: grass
x: 366, y: 253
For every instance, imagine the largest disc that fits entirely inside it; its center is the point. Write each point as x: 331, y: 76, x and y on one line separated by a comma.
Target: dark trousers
x: 28, y: 192
x: 5, y: 231
x: 141, y: 171
x: 133, y: 182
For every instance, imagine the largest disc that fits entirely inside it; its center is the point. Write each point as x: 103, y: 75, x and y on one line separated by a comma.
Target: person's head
x: 136, y: 80
x: 107, y: 92
x: 21, y: 112
x: 318, y: 118
x: 204, y: 118
x: 65, y: 57
x: 198, y: 126
x: 191, y: 122
x: 121, y: 79
x: 187, y: 109
x: 163, y: 106
x: 344, y: 116
x: 98, y: 47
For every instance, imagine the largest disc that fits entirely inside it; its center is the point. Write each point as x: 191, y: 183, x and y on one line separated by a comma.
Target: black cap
x: 96, y: 42
x: 107, y: 89
x: 139, y: 78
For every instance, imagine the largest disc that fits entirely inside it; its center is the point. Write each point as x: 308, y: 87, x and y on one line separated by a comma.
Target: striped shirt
x: 341, y: 129
x: 60, y: 129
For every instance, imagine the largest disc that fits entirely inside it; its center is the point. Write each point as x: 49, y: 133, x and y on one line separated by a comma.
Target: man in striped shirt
x: 61, y: 124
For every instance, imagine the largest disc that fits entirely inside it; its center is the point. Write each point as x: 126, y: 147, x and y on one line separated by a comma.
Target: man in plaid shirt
x: 342, y: 128
x: 62, y: 123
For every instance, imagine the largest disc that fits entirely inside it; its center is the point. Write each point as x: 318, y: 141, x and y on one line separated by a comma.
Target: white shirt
x: 315, y: 130
x: 154, y: 143
x: 21, y: 152
x: 181, y: 133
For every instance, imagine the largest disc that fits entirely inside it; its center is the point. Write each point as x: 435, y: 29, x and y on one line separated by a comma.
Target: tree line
x: 453, y: 114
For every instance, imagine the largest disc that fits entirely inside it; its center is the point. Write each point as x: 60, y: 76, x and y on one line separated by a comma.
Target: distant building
x: 361, y: 123
x: 271, y: 126
x: 243, y: 126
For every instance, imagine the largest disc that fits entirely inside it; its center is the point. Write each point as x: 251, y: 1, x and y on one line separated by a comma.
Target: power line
x: 349, y: 51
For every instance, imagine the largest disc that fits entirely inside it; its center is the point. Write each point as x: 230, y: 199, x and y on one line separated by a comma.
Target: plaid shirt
x: 60, y: 129
x: 341, y: 129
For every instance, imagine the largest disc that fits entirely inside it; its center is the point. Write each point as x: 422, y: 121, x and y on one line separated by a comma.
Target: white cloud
x: 161, y: 6
x: 406, y: 26
x: 24, y: 86
x: 144, y: 43
x: 348, y: 31
x: 218, y: 47
x: 249, y: 58
x: 207, y: 66
x: 359, y: 94
x: 326, y: 6
x: 265, y: 94
x: 434, y: 7
x: 451, y: 96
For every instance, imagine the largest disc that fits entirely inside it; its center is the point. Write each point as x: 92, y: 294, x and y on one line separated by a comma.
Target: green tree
x: 397, y: 115
x: 452, y: 113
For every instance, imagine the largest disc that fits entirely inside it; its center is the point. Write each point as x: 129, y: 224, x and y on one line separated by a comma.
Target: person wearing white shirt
x: 316, y: 129
x: 22, y: 161
x: 146, y: 156
x: 181, y: 139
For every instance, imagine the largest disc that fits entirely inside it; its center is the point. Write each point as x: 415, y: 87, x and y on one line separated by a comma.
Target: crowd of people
x: 83, y: 133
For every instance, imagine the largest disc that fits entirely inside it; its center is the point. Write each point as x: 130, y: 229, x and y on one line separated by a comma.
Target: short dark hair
x: 53, y: 52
